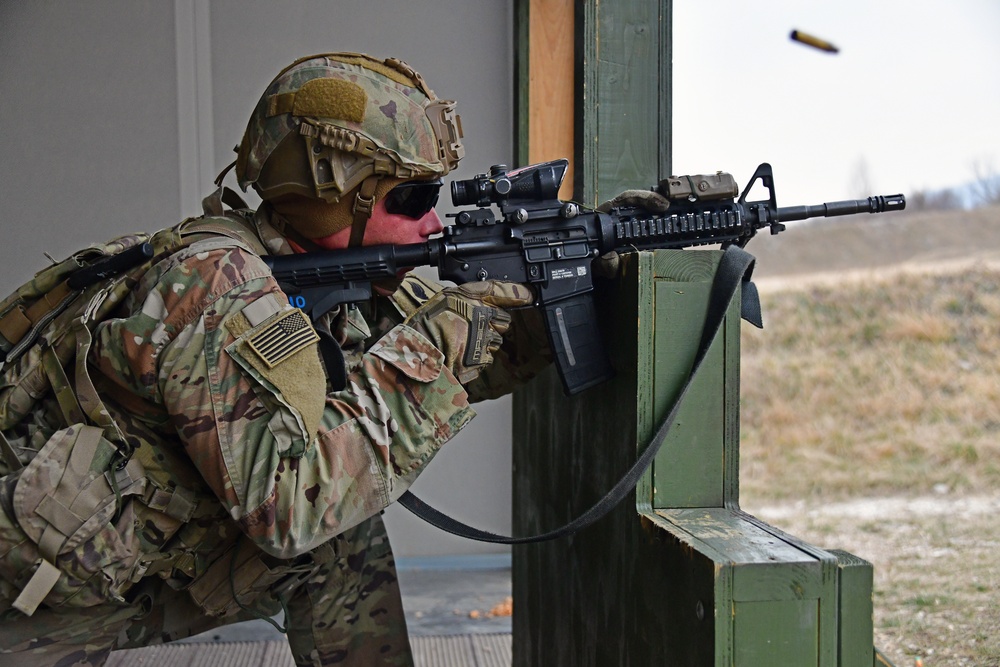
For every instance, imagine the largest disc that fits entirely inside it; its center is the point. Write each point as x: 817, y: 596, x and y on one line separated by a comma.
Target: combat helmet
x: 344, y: 128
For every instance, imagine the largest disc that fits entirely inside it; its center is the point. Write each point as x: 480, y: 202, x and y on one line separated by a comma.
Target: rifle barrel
x: 876, y: 204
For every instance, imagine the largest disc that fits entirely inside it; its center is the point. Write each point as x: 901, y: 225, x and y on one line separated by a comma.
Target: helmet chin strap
x: 364, y: 205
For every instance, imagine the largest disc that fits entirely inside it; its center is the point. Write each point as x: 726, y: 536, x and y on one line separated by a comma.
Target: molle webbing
x: 19, y: 320
x: 232, y: 226
x: 62, y: 388
x: 178, y: 502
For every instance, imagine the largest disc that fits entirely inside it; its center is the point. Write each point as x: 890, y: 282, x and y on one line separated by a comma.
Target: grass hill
x: 879, y: 363
x: 871, y: 415
x: 886, y: 385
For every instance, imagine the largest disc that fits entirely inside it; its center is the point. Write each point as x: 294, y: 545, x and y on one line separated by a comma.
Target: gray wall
x: 117, y: 115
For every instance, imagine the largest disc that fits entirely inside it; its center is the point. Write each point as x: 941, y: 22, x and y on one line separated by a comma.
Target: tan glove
x: 607, y: 264
x: 467, y: 323
x: 651, y: 201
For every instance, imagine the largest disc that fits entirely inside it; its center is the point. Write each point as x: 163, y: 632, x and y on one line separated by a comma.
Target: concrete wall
x: 117, y: 115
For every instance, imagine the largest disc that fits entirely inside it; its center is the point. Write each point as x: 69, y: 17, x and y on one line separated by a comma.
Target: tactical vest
x: 71, y: 483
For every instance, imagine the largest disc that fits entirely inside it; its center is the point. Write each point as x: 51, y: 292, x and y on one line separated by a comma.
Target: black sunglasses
x: 413, y: 199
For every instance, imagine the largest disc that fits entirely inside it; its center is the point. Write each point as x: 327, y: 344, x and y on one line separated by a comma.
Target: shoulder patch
x: 283, y: 337
x: 282, y: 354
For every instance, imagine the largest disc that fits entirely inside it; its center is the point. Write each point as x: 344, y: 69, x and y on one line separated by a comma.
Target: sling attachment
x: 750, y: 301
x: 364, y: 205
x: 300, y: 240
x: 735, y: 268
x: 212, y: 205
x: 333, y: 361
x: 9, y: 454
x: 222, y: 174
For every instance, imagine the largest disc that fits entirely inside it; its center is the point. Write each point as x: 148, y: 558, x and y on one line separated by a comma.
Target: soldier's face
x: 396, y: 228
x: 385, y: 227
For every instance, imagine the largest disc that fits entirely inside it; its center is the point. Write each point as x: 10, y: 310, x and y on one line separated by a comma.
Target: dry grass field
x: 871, y: 416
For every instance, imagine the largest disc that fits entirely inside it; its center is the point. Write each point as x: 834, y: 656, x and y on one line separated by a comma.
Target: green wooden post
x: 623, y: 116
x: 609, y: 595
x: 682, y: 576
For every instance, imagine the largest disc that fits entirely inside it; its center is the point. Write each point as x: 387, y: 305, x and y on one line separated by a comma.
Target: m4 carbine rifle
x: 550, y: 245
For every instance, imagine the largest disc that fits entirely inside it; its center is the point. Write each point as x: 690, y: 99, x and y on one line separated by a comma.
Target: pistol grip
x: 580, y: 354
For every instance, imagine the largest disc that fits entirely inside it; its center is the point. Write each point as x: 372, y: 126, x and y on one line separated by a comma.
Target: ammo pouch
x: 68, y: 522
x: 237, y: 579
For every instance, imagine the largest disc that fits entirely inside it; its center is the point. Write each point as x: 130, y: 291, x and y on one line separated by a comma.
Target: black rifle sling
x: 735, y: 266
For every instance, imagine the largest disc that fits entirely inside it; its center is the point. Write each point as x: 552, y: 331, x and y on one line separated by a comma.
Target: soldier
x: 269, y: 446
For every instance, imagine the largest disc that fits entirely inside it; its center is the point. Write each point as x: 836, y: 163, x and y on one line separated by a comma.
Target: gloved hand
x: 467, y: 323
x: 606, y: 265
x: 651, y: 201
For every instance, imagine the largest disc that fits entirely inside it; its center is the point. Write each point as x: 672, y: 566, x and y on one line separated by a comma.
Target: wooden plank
x: 571, y: 595
x: 645, y: 360
x: 713, y: 407
x: 724, y: 535
x: 776, y: 632
x: 829, y: 611
x: 753, y: 564
x: 700, y: 455
x: 688, y: 469
x: 623, y: 108
x: 551, y: 76
x: 522, y: 57
x: 855, y: 624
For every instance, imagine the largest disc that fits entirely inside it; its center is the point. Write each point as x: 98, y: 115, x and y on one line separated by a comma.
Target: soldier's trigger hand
x: 467, y: 323
x: 499, y: 294
x: 648, y: 200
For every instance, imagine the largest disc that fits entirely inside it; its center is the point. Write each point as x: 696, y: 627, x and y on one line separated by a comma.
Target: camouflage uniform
x: 256, y: 486
x: 271, y: 487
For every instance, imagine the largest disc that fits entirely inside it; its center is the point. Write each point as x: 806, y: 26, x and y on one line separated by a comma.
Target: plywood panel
x: 551, y: 93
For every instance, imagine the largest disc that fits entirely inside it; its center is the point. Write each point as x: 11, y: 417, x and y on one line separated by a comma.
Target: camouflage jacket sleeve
x: 212, y: 339
x: 523, y: 354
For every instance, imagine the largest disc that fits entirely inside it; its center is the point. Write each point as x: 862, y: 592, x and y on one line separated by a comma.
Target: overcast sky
x: 912, y: 99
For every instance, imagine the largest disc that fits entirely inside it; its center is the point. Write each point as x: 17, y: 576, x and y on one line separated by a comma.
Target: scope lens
x: 464, y: 193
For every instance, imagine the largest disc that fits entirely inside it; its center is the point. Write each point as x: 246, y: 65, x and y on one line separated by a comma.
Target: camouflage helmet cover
x: 358, y: 118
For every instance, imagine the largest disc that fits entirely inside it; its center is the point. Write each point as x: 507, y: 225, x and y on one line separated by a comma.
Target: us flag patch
x: 283, y: 337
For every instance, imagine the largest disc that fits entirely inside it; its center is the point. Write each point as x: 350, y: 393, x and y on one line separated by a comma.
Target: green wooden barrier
x: 681, y: 576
